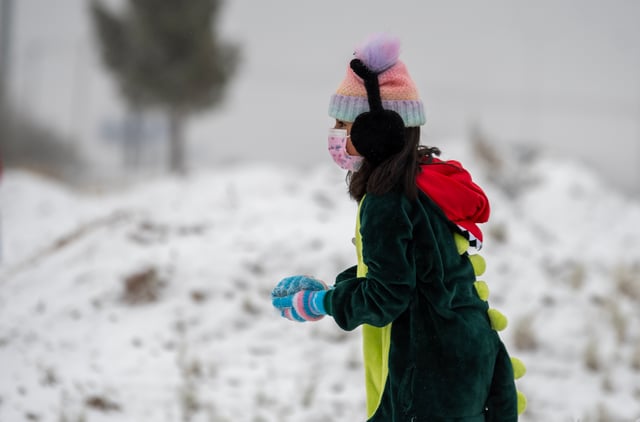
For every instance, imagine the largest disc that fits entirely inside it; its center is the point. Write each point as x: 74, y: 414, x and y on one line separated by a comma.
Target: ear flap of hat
x: 376, y: 134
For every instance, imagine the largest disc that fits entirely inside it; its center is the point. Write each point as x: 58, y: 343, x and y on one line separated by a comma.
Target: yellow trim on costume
x: 376, y: 343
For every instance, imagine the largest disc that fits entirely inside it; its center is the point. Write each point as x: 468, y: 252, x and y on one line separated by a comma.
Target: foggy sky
x: 562, y: 75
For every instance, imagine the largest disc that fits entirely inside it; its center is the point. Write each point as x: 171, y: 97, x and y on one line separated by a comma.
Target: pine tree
x: 167, y: 54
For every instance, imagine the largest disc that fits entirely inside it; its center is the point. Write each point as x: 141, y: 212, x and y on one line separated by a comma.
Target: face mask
x: 338, y: 151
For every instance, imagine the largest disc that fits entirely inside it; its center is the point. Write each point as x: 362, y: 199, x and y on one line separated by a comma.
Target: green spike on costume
x: 478, y: 263
x: 482, y: 289
x: 518, y: 368
x: 462, y: 243
x: 498, y: 321
x: 522, y: 402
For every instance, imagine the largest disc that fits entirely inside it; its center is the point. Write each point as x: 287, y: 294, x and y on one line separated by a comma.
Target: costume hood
x: 450, y: 186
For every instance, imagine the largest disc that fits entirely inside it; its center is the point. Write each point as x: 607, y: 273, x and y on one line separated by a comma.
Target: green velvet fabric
x: 445, y: 362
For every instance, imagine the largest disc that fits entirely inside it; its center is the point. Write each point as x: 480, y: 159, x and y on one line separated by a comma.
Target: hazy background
x: 152, y: 302
x: 563, y: 75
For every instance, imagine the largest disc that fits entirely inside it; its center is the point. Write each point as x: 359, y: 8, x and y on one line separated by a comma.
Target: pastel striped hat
x: 379, y: 53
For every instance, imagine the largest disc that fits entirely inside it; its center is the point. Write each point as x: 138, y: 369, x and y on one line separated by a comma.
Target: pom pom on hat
x: 379, y: 52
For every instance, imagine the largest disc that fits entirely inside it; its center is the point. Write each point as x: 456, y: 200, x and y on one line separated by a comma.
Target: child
x: 431, y: 351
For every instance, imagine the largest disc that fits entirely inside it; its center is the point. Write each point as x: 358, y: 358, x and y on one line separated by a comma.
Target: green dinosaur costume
x: 431, y: 354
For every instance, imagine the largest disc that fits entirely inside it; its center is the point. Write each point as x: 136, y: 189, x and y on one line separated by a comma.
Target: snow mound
x: 153, y: 303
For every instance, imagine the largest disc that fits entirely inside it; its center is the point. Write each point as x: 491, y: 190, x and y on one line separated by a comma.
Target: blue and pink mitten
x: 300, y: 298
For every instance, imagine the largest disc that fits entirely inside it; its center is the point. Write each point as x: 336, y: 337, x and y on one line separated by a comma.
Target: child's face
x: 340, y: 124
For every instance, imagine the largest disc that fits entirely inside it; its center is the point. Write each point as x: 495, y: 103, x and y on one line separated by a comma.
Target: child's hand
x: 306, y: 305
x: 300, y: 298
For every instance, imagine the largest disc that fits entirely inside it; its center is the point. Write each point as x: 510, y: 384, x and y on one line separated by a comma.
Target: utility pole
x: 6, y: 14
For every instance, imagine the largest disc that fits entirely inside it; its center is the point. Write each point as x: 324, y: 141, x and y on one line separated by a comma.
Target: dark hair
x: 396, y: 173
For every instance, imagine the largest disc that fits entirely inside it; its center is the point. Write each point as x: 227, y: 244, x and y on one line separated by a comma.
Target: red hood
x: 450, y: 186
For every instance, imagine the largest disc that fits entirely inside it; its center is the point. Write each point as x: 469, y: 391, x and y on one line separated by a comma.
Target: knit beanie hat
x: 379, y: 53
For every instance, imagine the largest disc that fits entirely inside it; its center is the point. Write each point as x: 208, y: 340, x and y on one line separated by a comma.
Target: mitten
x: 305, y: 305
x: 291, y: 285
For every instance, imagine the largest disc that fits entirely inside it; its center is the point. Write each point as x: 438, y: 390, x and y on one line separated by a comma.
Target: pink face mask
x: 338, y: 151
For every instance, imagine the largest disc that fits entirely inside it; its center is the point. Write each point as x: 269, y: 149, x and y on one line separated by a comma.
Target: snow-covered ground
x: 152, y: 304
